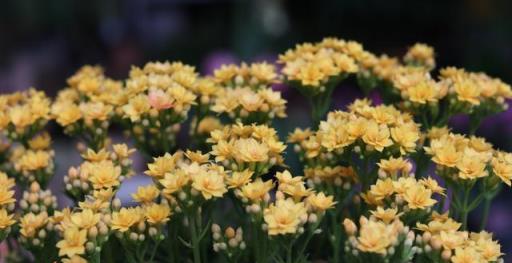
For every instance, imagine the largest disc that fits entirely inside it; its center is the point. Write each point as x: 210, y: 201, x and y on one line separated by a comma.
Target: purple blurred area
x: 44, y: 42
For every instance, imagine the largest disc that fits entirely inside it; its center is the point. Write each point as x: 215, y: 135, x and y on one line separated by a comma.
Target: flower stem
x: 195, y: 239
x: 485, y: 214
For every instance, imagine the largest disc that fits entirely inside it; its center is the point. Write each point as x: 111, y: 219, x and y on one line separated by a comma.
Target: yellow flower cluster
x: 239, y: 147
x: 34, y: 164
x: 404, y: 193
x: 460, y: 158
x: 37, y: 206
x: 87, y: 106
x: 159, y: 96
x: 321, y: 64
x: 247, y: 95
x: 102, y: 170
x: 187, y: 181
x: 134, y: 224
x: 379, y: 238
x: 24, y: 114
x: 441, y: 239
x: 82, y: 232
x: 475, y: 88
x: 295, y: 205
x: 420, y: 55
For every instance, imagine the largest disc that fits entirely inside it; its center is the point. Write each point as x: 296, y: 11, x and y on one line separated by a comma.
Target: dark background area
x: 44, y: 42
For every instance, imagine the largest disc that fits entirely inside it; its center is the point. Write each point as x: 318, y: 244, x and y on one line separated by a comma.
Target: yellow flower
x: 423, y: 92
x: 21, y: 116
x: 136, y: 107
x: 378, y: 137
x: 40, y: 142
x: 85, y: 219
x: 256, y: 191
x: 376, y: 237
x: 467, y: 90
x: 146, y: 194
x: 502, y: 167
x: 31, y: 223
x: 5, y: 219
x: 237, y: 179
x: 162, y: 165
x: 433, y: 185
x: 382, y: 189
x: 126, y: 218
x: 104, y: 174
x: 320, y: 202
x: 66, y: 113
x: 471, y: 165
x: 157, y: 213
x: 33, y: 160
x: 174, y: 182
x: 210, y: 183
x: 453, y: 240
x: 443, y: 153
x: 392, y: 166
x: 73, y: 242
x: 489, y: 249
x: 386, y: 215
x: 284, y: 217
x: 95, y: 156
x: 6, y: 195
x: 197, y: 156
x: 406, y: 137
x: 122, y: 151
x: 95, y: 111
x: 250, y: 150
x: 419, y: 197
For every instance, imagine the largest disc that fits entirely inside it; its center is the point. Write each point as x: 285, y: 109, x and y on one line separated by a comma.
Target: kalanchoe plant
x: 376, y: 183
x: 86, y: 107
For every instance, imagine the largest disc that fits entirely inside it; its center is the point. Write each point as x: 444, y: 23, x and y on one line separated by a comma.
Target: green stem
x: 485, y: 214
x: 195, y: 239
x: 153, y: 252
x: 465, y: 209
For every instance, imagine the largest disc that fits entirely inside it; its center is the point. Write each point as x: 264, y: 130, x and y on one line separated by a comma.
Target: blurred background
x: 44, y: 42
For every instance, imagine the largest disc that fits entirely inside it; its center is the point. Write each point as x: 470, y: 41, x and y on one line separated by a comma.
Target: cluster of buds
x: 231, y: 243
x: 247, y: 95
x: 255, y: 147
x: 160, y: 96
x: 35, y: 163
x: 36, y: 200
x: 103, y: 169
x: 86, y: 107
x: 36, y: 230
x: 378, y: 241
x: 441, y: 240
x: 24, y: 114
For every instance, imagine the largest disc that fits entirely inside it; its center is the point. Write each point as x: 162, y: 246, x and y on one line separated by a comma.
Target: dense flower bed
x: 380, y: 183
